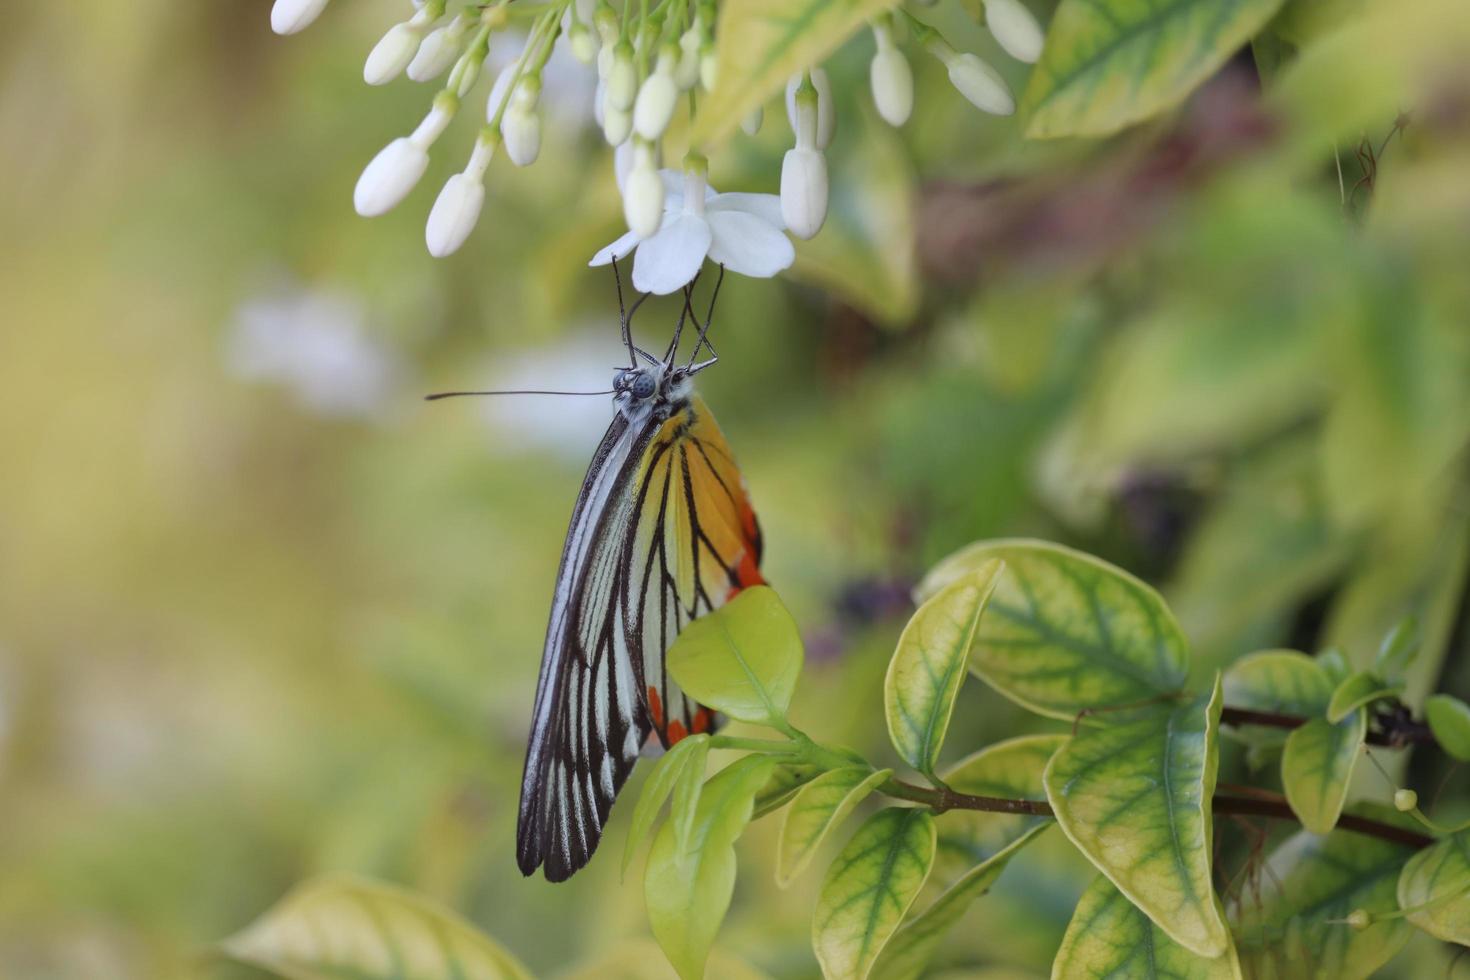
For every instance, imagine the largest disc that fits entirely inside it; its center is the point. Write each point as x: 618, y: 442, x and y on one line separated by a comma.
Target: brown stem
x: 943, y: 798
x: 1393, y: 729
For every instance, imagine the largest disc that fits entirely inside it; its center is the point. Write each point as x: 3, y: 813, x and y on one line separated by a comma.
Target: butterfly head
x: 656, y: 387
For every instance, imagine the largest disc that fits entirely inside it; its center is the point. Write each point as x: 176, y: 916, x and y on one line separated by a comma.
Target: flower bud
x: 643, y: 195
x: 290, y: 16
x: 709, y: 67
x: 622, y: 78
x: 893, y: 84
x: 617, y: 125
x: 392, y: 54
x: 499, y: 91
x: 438, y: 51
x: 826, y: 117
x: 582, y: 43
x: 454, y: 214
x: 1405, y: 800
x: 752, y: 123
x: 686, y: 73
x: 804, y: 191
x: 1359, y: 919
x: 980, y: 84
x: 521, y: 127
x: 1014, y: 29
x: 389, y: 177
x: 656, y: 98
x: 805, y: 114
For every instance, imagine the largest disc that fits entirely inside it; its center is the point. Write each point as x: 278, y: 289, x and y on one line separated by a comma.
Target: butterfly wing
x: 662, y: 533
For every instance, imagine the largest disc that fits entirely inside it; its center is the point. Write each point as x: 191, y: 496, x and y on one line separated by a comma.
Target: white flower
x: 804, y: 191
x: 892, y: 79
x: 391, y: 174
x: 622, y: 79
x: 617, y: 125
x: 392, y: 53
x: 458, y: 206
x: 1014, y: 28
x: 643, y: 193
x: 521, y: 126
x: 981, y: 84
x: 743, y: 232
x: 499, y: 91
x: 439, y: 50
x: 826, y: 116
x: 654, y: 106
x: 290, y: 16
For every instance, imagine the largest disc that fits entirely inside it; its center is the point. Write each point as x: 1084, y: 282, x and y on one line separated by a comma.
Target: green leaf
x: 759, y: 44
x: 671, y: 770
x: 1317, y: 765
x: 1357, y: 691
x: 742, y: 659
x: 913, y: 946
x: 1065, y: 633
x: 1135, y: 798
x: 821, y: 805
x: 1110, y: 63
x: 1334, y: 662
x: 928, y: 667
x: 1309, y: 886
x: 1110, y: 937
x: 1434, y: 889
x: 1010, y: 769
x: 1278, y: 682
x: 688, y: 890
x: 786, y: 781
x: 1399, y: 649
x: 338, y: 925
x: 869, y: 888
x: 1449, y: 720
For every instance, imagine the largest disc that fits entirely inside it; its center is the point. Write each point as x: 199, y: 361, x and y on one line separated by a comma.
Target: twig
x: 1393, y: 731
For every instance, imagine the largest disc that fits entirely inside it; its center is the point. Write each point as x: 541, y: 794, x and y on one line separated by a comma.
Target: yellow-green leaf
x: 1065, y: 633
x: 1317, y: 765
x: 786, y: 781
x: 1135, y: 798
x: 913, y: 946
x: 869, y: 888
x: 1356, y: 691
x: 688, y: 890
x: 742, y: 659
x: 672, y: 769
x: 1011, y: 770
x: 927, y: 669
x: 759, y: 44
x: 1110, y: 63
x: 1434, y: 889
x: 1310, y: 884
x: 1278, y: 682
x: 1110, y: 937
x: 820, y: 805
x: 1449, y: 720
x: 1400, y: 648
x: 338, y: 925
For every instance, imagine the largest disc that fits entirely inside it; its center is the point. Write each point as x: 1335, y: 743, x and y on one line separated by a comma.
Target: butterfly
x: 662, y: 533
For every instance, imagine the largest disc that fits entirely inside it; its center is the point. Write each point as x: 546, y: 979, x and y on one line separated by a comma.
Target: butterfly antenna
x: 625, y: 316
x: 679, y: 327
x: 518, y: 391
x: 709, y: 317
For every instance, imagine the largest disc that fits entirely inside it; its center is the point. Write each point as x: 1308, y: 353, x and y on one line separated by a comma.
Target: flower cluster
x: 649, y: 58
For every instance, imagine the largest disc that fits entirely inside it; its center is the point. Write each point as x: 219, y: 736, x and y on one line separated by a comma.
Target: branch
x: 944, y: 798
x: 1394, y: 728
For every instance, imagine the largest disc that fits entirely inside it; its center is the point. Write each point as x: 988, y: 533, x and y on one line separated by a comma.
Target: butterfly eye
x: 643, y: 386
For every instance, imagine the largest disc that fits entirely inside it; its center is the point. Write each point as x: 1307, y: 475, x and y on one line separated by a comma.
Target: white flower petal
x: 670, y: 258
x: 746, y: 244
x: 767, y: 207
x: 624, y: 244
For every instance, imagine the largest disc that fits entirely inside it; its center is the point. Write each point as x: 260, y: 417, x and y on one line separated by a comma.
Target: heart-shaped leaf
x: 869, y: 888
x: 672, y: 769
x: 928, y: 667
x: 688, y: 890
x: 742, y: 659
x: 339, y: 926
x: 1357, y: 691
x: 1135, y: 799
x: 1278, y: 682
x: 1449, y: 720
x: 1110, y: 63
x: 1110, y: 937
x: 1065, y: 634
x: 1434, y: 889
x: 821, y: 805
x: 1317, y: 766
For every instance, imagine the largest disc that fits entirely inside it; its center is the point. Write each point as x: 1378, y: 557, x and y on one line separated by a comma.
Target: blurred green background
x: 265, y: 613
